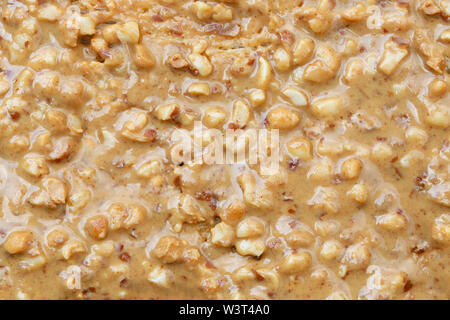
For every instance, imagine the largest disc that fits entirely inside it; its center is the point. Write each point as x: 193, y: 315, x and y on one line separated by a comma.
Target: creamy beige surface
x: 93, y: 207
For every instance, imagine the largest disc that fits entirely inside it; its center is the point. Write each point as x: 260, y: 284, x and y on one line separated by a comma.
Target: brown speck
x: 417, y: 250
x: 151, y: 134
x: 14, y: 115
x: 293, y: 164
x: 408, y: 286
x: 157, y: 18
x: 204, y: 195
x: 257, y: 275
x: 337, y: 179
x: 216, y: 89
x: 286, y: 36
x: 420, y: 183
x: 233, y: 126
x: 125, y: 257
x: 124, y: 282
x: 397, y: 171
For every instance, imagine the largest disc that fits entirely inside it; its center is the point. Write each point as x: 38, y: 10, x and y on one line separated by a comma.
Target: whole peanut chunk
x: 97, y: 227
x: 18, y: 241
x: 169, y: 249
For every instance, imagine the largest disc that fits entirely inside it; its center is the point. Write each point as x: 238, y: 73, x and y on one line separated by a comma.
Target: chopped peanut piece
x: 110, y: 33
x: 297, y: 97
x: 430, y: 50
x: 214, y: 117
x: 4, y: 87
x: 71, y: 248
x: 318, y: 20
x: 87, y: 26
x: 300, y: 148
x: 392, y: 221
x: 330, y: 250
x: 200, y: 46
x: 325, y: 199
x: 136, y: 216
x: 429, y: 7
x: 381, y: 151
x: 49, y: 12
x: 321, y: 170
x: 35, y: 166
x: 303, y: 50
x: 161, y: 277
x: 201, y: 64
x: 222, y: 235
x: 441, y: 229
x: 282, y: 118
x: 18, y: 241
x: 167, y: 112
x: 353, y: 71
x: 241, y: 113
x: 325, y: 67
x: 296, y: 262
x: 221, y: 13
x: 199, y: 89
x: 79, y: 200
x: 357, y: 256
x: 117, y: 213
x: 257, y: 97
x: 359, y: 193
x: 437, y: 88
x: 249, y: 228
x: 233, y: 212
x: 242, y: 66
x: 149, y: 169
x: 395, y: 51
x: 445, y: 36
x: 143, y: 57
x: 56, y: 190
x: 177, y: 61
x: 129, y: 32
x: 351, y: 168
x: 438, y: 117
x: 168, y: 249
x: 264, y: 74
x: 250, y: 247
x: 327, y: 107
x: 282, y: 60
x: 97, y: 227
x: 415, y: 135
x: 355, y: 13
x: 202, y: 10
x: 300, y: 238
x: 57, y: 238
x: 255, y: 195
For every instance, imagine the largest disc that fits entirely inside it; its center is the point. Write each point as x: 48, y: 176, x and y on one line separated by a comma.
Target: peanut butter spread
x: 95, y: 204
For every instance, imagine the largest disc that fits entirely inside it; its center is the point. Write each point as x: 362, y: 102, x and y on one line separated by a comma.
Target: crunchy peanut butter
x: 93, y: 205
